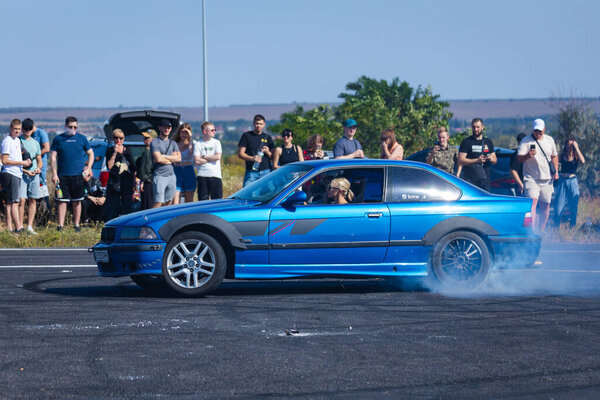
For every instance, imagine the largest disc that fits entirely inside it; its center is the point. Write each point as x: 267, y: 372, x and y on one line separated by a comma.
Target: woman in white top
x: 184, y: 170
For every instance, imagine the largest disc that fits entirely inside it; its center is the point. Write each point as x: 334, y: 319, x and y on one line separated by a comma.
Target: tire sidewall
x: 477, y: 278
x: 220, y: 264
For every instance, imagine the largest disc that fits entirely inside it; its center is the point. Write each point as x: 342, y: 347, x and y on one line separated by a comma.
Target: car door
x: 417, y: 199
x: 334, y: 237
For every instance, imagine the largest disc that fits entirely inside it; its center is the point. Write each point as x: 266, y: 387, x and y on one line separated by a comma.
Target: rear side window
x: 409, y: 184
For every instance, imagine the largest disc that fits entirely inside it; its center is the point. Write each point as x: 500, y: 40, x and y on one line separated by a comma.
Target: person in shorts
x: 30, y: 181
x: 12, y: 170
x: 67, y: 155
x: 207, y: 155
x: 41, y: 136
x: 536, y: 151
x: 164, y: 153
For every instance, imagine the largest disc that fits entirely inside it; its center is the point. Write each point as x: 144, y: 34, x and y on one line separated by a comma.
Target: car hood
x: 146, y: 217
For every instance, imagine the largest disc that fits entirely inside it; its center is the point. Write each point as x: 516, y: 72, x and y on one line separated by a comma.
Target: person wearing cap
x: 256, y: 148
x: 348, y: 147
x: 164, y: 153
x: 144, y: 171
x: 476, y: 154
x: 67, y: 155
x: 536, y: 152
x: 30, y: 181
x: 41, y: 136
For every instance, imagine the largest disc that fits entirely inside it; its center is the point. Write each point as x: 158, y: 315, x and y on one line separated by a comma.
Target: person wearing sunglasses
x: 338, y: 191
x: 119, y: 188
x: 67, y: 159
x: 207, y: 156
x: 289, y: 152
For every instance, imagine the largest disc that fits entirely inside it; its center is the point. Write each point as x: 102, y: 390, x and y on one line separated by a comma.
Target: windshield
x: 269, y: 186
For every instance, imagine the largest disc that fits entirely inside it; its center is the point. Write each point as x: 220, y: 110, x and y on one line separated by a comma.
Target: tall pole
x: 204, y: 60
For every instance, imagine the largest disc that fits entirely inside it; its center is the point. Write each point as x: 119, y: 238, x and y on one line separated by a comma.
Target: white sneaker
x: 30, y: 230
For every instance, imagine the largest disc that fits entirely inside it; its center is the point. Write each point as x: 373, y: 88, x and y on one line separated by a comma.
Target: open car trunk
x: 133, y: 123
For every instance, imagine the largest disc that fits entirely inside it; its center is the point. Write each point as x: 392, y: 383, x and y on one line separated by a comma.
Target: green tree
x: 377, y: 105
x: 306, y: 123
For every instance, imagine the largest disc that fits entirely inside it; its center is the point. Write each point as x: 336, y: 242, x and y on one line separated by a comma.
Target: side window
x: 366, y: 185
x: 409, y: 184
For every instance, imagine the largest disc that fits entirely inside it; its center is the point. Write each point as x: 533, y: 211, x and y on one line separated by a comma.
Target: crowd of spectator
x: 175, y: 166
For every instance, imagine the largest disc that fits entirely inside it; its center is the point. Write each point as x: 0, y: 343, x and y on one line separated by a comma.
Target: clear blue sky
x: 149, y: 53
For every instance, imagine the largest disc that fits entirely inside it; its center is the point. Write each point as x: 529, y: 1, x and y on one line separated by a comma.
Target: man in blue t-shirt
x: 69, y: 167
x: 348, y: 147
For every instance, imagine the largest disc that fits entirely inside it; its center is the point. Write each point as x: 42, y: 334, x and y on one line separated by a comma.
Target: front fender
x: 176, y: 224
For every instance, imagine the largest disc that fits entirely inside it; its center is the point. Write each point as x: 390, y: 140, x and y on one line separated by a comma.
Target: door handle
x: 374, y: 215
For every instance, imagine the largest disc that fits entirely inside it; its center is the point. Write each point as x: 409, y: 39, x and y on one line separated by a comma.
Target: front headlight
x: 137, y: 232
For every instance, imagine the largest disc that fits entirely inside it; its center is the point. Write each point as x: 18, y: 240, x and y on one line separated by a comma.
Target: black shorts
x: 11, y: 186
x: 209, y: 188
x: 72, y: 188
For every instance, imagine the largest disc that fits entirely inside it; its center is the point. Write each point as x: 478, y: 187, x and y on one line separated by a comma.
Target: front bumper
x: 515, y: 251
x: 130, y: 258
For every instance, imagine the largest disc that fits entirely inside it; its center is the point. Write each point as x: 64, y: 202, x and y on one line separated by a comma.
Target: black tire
x: 151, y: 282
x: 194, y: 264
x: 461, y: 260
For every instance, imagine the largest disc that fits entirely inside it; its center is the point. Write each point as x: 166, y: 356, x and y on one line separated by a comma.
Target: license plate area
x: 101, y: 256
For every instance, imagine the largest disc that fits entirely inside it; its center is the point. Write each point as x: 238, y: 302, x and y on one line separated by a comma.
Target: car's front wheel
x: 194, y: 263
x: 461, y: 260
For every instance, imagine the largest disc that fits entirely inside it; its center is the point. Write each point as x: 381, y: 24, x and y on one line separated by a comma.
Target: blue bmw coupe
x: 403, y: 219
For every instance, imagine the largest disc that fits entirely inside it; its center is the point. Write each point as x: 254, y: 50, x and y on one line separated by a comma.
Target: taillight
x: 502, y: 182
x: 104, y: 178
x: 527, y: 221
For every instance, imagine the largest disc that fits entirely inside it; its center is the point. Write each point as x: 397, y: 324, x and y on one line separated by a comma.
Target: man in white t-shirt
x: 207, y: 155
x: 12, y: 170
x: 536, y: 151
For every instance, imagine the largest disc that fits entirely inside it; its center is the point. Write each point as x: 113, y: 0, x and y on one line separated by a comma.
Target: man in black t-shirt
x: 476, y: 154
x: 256, y: 148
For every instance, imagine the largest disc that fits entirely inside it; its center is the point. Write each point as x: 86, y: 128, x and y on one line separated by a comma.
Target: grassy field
x: 233, y: 172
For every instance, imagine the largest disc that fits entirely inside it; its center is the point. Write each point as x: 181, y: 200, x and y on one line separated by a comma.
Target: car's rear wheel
x: 461, y: 260
x: 152, y: 282
x: 194, y: 263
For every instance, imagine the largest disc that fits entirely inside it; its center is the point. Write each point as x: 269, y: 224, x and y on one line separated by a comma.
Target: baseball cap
x: 150, y: 133
x: 27, y: 124
x: 349, y: 122
x: 538, y: 125
x: 165, y: 122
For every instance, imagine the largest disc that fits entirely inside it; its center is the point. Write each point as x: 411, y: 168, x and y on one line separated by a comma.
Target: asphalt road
x: 66, y: 333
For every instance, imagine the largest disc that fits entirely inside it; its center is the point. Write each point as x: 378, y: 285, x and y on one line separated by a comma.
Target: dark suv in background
x: 132, y: 123
x: 502, y: 181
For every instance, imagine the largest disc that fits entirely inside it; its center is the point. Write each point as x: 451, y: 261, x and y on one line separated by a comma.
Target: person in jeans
x: 567, y: 188
x: 67, y: 155
x: 207, y: 155
x: 164, y: 153
x: 30, y: 182
x: 12, y: 171
x: 251, y: 145
x: 119, y: 188
x: 144, y: 171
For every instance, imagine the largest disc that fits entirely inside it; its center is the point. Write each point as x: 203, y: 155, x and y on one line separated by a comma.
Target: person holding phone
x: 536, y: 152
x: 442, y: 155
x: 476, y: 154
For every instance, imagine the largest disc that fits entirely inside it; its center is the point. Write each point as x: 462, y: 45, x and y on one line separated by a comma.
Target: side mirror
x: 298, y: 197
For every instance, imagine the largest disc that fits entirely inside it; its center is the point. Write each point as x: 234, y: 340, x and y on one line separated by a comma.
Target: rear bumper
x: 515, y: 251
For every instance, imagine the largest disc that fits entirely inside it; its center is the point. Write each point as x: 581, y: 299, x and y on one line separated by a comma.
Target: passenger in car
x: 390, y: 148
x: 338, y: 191
x: 184, y: 169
